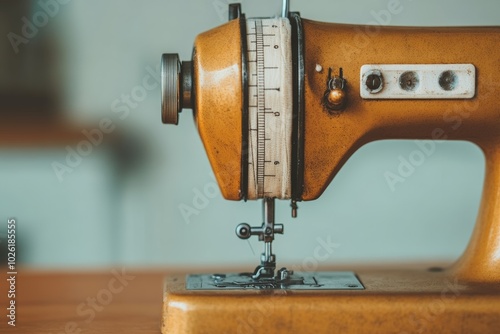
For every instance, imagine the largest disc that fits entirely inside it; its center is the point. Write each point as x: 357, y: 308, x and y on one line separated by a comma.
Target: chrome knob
x: 176, y: 87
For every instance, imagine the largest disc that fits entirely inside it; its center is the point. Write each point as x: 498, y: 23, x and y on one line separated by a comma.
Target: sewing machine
x: 280, y: 105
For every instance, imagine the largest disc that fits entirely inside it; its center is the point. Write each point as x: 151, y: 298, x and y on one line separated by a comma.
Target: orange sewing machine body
x: 349, y: 85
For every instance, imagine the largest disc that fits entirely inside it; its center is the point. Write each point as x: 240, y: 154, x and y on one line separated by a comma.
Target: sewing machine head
x: 281, y: 103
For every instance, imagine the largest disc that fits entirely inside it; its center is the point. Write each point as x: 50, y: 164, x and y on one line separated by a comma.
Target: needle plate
x: 333, y: 280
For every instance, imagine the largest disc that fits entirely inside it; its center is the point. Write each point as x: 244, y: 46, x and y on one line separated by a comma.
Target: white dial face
x: 270, y: 108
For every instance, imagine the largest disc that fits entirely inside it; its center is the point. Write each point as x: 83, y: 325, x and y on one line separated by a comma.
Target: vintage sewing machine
x: 280, y: 105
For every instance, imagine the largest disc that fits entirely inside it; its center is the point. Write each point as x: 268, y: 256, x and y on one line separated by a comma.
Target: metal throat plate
x: 330, y: 280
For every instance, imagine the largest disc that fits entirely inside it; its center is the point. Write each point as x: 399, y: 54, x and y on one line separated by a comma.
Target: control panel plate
x: 417, y: 81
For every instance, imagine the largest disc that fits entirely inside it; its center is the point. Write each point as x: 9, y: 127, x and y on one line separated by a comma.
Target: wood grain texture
x: 395, y: 301
x: 51, y: 302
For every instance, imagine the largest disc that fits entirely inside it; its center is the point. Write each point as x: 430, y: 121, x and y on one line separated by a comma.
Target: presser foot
x: 266, y: 268
x: 266, y: 271
x: 263, y: 271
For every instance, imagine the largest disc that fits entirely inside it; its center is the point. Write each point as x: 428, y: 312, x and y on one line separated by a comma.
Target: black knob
x: 374, y: 81
x: 176, y: 87
x: 409, y: 81
x: 448, y: 80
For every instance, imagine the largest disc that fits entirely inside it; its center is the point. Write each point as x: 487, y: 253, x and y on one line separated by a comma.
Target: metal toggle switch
x: 335, y: 97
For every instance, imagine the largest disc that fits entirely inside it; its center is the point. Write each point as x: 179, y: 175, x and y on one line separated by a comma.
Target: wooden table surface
x: 130, y: 301
x: 105, y: 301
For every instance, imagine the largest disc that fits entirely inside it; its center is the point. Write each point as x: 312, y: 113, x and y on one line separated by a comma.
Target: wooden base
x: 403, y: 301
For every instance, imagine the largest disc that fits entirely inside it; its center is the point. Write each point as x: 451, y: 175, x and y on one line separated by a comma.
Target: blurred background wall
x: 70, y: 67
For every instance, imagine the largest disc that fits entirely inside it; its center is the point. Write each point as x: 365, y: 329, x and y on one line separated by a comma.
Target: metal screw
x: 218, y: 276
x: 294, y: 208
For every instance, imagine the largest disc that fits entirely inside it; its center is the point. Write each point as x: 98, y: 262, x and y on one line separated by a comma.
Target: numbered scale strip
x: 270, y: 108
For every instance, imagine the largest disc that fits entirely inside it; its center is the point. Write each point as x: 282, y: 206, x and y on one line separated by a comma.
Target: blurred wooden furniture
x: 40, y: 135
x: 62, y: 302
